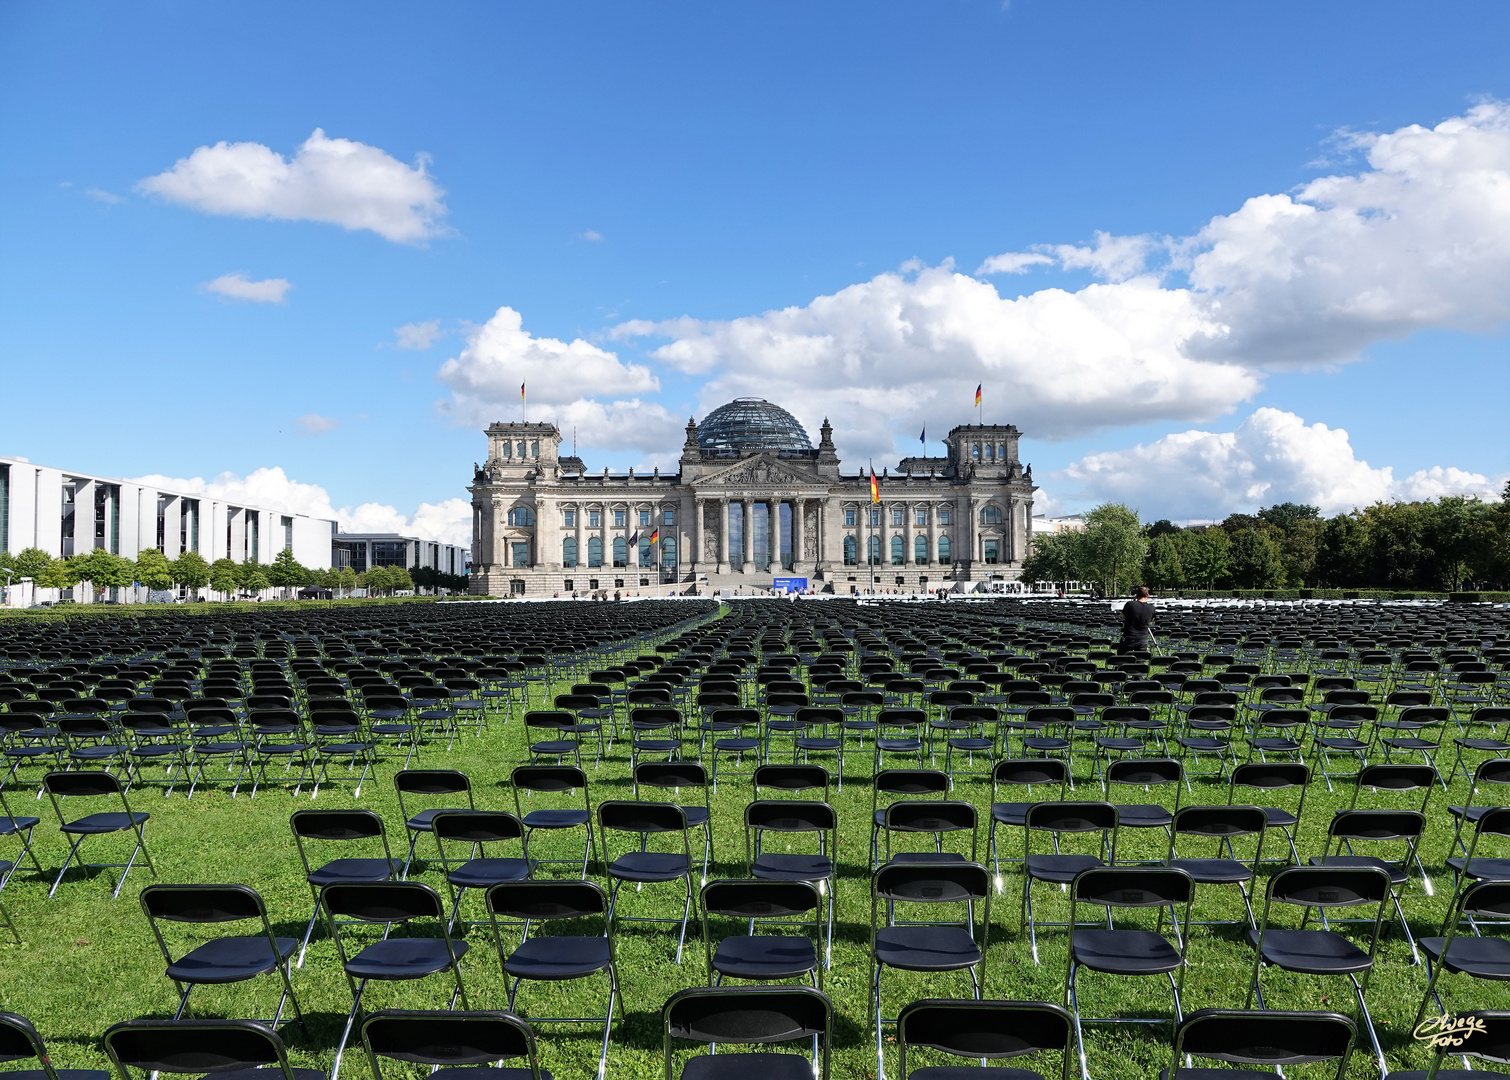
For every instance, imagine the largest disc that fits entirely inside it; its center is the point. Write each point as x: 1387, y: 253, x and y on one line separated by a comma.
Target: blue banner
x: 789, y: 584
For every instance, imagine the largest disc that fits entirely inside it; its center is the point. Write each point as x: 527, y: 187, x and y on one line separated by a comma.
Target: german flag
x: 977, y: 394
x: 875, y: 488
x: 655, y: 536
x: 521, y: 393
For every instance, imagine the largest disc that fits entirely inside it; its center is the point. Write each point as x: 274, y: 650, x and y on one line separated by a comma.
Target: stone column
x: 581, y: 538
x: 695, y: 563
x: 723, y: 535
x: 773, y: 534
x: 907, y: 535
x: 933, y: 534
x: 747, y: 555
x: 800, y: 564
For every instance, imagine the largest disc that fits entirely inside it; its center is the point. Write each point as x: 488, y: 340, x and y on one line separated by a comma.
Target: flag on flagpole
x: 875, y: 488
x: 634, y: 538
x: 977, y: 394
x: 654, y: 536
x: 923, y: 435
x: 521, y: 392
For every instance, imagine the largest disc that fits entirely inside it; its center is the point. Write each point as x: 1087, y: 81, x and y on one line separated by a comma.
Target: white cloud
x: 448, y: 521
x: 338, y: 181
x: 903, y: 349
x: 592, y: 236
x: 1113, y: 258
x: 1272, y: 457
x: 564, y: 380
x: 315, y: 424
x: 418, y: 335
x: 1012, y: 262
x: 238, y: 286
x: 109, y: 198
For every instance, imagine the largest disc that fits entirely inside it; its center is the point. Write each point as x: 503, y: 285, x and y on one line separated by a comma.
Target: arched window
x: 535, y: 448
x: 620, y: 551
x: 920, y: 550
x: 521, y: 515
x: 668, y: 552
x: 519, y: 450
x: 645, y: 557
x: 990, y: 515
x: 595, y: 551
x: 990, y: 451
x: 569, y: 551
x: 851, y: 551
x: 898, y: 551
x: 974, y: 450
x: 1001, y: 451
x: 944, y: 553
x: 874, y: 546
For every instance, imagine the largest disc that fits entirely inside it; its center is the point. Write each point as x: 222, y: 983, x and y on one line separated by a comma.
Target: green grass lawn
x: 88, y: 961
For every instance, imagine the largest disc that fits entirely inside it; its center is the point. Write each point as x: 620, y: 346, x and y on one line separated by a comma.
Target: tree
x: 285, y: 571
x: 1055, y: 557
x: 1164, y: 570
x: 31, y: 562
x: 1255, y: 561
x: 1206, y: 555
x: 398, y: 578
x: 57, y: 574
x: 1113, y: 545
x: 1339, y: 553
x: 256, y: 581
x: 223, y: 577
x: 1286, y: 516
x: 191, y: 571
x: 103, y: 570
x: 346, y: 579
x: 1162, y: 527
x: 154, y: 570
x: 1454, y: 533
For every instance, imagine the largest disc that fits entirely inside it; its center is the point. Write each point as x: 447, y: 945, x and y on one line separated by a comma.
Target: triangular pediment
x: 754, y: 473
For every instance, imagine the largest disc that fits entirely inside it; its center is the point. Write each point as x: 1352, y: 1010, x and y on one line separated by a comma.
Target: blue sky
x: 1206, y: 256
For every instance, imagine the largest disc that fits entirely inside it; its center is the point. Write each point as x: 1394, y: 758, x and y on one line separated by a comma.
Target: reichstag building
x: 752, y: 501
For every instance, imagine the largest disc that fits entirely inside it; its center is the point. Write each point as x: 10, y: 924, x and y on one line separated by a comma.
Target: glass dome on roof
x: 749, y: 424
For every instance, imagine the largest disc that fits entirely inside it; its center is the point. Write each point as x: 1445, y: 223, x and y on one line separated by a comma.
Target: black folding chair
x: 339, y: 827
x: 439, y: 784
x: 1473, y: 954
x: 1323, y: 952
x: 795, y: 817
x: 1060, y: 820
x: 96, y: 785
x: 926, y: 946
x: 201, y: 1047
x: 763, y: 957
x: 390, y: 959
x: 477, y: 829
x: 19, y: 1041
x: 1483, y: 1035
x: 220, y: 960
x: 458, y: 1044
x: 723, y: 1015
x: 1476, y: 866
x: 901, y: 783
x: 966, y: 1028
x: 556, y: 958
x: 1130, y: 953
x: 1026, y: 773
x: 1269, y: 1038
x: 554, y: 779
x: 1222, y: 825
x: 673, y: 776
x: 646, y: 867
x: 1349, y: 827
x: 935, y: 818
x: 1270, y: 776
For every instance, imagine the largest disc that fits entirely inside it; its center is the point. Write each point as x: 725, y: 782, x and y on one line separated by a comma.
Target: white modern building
x: 361, y: 551
x: 64, y: 512
x: 1070, y: 523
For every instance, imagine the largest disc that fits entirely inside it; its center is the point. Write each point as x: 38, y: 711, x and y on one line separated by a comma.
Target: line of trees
x: 1449, y: 544
x: 190, y: 571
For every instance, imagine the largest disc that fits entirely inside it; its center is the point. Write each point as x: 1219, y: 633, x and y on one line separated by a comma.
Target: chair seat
x: 649, y: 866
x: 1275, y: 745
x: 927, y: 857
x: 11, y: 825
x: 1045, y: 743
x: 480, y: 1072
x: 757, y: 1066
x: 973, y: 1072
x: 345, y: 870
x: 1469, y: 813
x: 116, y: 822
x: 1203, y: 743
x: 553, y: 958
x: 555, y: 819
x: 1144, y: 816
x: 900, y: 745
x: 1409, y: 744
x: 101, y: 1074
x: 424, y: 821
x: 657, y: 746
x: 1124, y: 952
x: 1397, y: 874
x: 1118, y: 742
x: 1011, y: 813
x: 1497, y: 746
x: 1311, y: 952
x: 696, y: 816
x: 819, y: 744
x: 1198, y: 1073
x: 926, y: 948
x: 554, y: 746
x: 1060, y: 869
x: 403, y: 958
x: 775, y: 867
x: 230, y: 959
x: 1481, y: 957
x: 742, y: 745
x: 1214, y: 871
x: 481, y: 873
x: 970, y: 743
x: 1483, y: 869
x: 765, y: 957
x: 1444, y: 1074
x: 1340, y: 743
x: 1275, y: 818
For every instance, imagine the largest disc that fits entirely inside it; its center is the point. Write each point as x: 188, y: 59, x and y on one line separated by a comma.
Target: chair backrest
x: 1133, y: 886
x: 455, y: 1039
x: 1271, y: 775
x: 336, y: 824
x: 748, y: 1014
x: 1266, y: 1037
x: 196, y: 1046
x: 1329, y: 886
x: 477, y: 826
x: 83, y: 783
x: 1144, y: 772
x: 931, y: 883
x: 20, y: 1040
x: 933, y: 816
x: 641, y: 817
x: 545, y: 900
x: 1220, y: 822
x: 1025, y: 772
x: 671, y: 774
x: 202, y: 903
x: 383, y: 901
x: 984, y: 1029
x: 432, y: 782
x: 790, y: 815
x: 1353, y: 825
x: 911, y: 782
x: 750, y: 898
x: 1071, y: 817
x: 792, y: 778
x: 548, y: 778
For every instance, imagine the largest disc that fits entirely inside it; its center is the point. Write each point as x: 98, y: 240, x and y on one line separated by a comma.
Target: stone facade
x: 542, y: 525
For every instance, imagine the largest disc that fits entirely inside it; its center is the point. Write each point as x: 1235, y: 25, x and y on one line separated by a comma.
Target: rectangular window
x: 898, y: 516
x: 568, y: 584
x: 875, y: 516
x: 669, y: 518
x: 990, y: 546
x: 618, y: 519
x: 594, y: 519
x: 253, y: 537
x: 288, y: 533
x: 644, y: 517
x: 390, y: 553
x: 943, y: 515
x: 849, y: 517
x: 4, y: 508
x: 922, y: 517
x: 521, y: 553
x: 569, y: 519
x: 191, y: 514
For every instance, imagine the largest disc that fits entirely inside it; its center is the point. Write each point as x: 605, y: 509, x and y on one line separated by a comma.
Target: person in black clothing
x: 1137, y: 620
